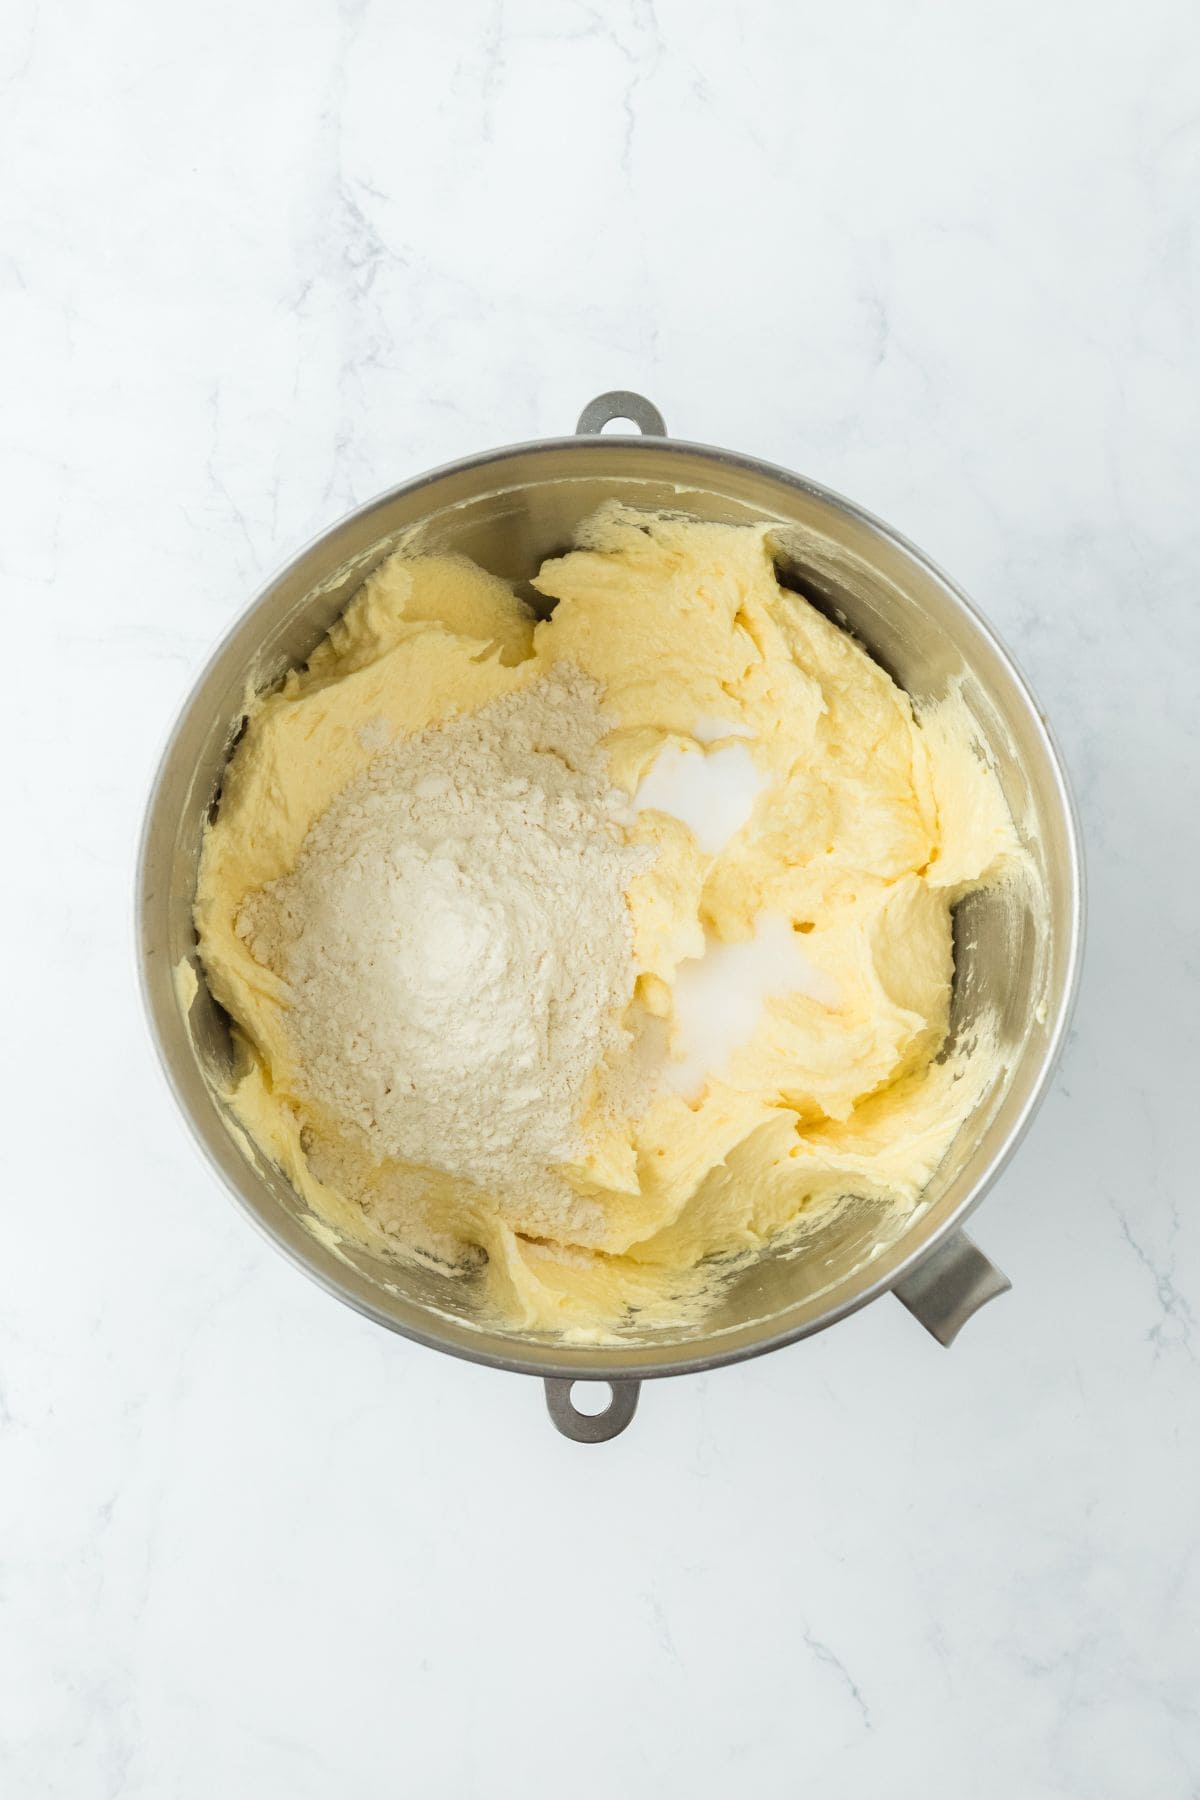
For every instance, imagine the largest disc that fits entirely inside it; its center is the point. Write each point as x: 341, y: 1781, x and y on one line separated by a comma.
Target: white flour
x: 456, y: 940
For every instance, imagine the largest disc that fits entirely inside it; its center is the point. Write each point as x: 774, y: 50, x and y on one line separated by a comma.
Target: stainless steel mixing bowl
x: 1017, y: 954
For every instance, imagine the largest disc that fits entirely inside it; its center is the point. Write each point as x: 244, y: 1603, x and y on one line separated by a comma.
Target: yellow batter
x: 869, y: 826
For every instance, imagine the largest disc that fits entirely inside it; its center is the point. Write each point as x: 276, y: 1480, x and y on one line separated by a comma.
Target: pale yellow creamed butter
x: 870, y: 823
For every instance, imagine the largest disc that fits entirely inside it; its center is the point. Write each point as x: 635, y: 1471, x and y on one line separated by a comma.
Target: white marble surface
x: 259, y: 260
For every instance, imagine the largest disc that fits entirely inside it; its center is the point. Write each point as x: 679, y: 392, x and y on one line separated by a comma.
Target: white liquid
x: 719, y: 998
x: 713, y: 794
x: 707, y: 730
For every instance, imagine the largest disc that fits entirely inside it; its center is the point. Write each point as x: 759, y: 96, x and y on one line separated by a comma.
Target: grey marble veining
x: 259, y: 261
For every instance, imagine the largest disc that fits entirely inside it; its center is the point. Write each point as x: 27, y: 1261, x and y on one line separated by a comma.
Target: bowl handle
x: 621, y: 404
x: 591, y: 1428
x: 950, y: 1286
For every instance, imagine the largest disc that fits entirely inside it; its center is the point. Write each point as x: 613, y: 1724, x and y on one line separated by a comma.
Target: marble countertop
x: 259, y: 261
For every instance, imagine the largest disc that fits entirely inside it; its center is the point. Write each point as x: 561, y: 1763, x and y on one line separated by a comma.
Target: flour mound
x: 456, y: 942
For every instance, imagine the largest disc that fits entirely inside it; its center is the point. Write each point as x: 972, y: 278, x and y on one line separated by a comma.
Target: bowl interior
x: 1015, y: 950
